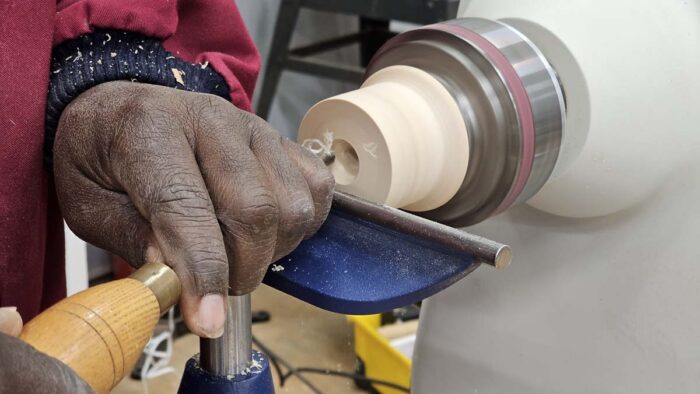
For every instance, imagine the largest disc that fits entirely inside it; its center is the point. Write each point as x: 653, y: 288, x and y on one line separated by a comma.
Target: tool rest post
x: 230, y: 354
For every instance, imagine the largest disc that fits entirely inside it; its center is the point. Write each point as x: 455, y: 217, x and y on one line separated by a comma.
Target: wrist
x: 111, y: 55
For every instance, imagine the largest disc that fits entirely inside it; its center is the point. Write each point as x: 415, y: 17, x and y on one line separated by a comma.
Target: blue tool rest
x: 353, y: 266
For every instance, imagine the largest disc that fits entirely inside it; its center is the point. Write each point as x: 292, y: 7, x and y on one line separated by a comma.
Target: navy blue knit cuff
x: 111, y: 55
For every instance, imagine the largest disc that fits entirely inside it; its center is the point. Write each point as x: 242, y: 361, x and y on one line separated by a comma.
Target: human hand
x: 23, y: 369
x: 154, y: 173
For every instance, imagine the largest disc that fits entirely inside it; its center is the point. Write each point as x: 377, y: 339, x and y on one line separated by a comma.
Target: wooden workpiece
x: 399, y: 140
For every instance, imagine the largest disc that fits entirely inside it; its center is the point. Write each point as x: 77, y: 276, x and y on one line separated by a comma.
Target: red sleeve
x: 197, y: 31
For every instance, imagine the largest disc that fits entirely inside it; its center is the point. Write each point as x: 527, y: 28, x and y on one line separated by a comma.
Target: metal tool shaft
x: 230, y: 355
x: 487, y: 251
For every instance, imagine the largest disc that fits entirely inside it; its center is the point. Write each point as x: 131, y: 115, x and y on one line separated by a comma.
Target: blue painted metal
x: 353, y: 266
x: 195, y: 380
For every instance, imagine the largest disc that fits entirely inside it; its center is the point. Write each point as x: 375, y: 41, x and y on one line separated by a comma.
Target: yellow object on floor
x: 381, y: 360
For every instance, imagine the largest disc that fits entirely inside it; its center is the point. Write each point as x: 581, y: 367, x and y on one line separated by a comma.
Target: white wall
x: 76, y: 262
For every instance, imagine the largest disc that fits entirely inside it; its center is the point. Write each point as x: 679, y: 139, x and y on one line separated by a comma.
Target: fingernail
x: 10, y: 321
x: 211, y: 315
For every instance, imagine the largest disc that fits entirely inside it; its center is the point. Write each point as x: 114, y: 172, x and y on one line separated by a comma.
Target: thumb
x: 10, y: 321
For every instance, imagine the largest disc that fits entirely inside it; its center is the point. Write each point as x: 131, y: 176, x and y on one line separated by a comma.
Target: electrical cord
x: 349, y: 375
x: 276, y: 360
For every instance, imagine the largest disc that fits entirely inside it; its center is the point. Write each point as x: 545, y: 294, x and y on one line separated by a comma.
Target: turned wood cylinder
x: 400, y: 140
x: 100, y: 332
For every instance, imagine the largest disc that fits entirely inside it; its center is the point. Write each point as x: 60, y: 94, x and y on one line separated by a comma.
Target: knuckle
x: 208, y: 272
x: 251, y: 125
x: 243, y: 280
x: 322, y: 186
x: 298, y: 216
x: 203, y: 112
x: 254, y: 218
x: 302, y: 210
x: 216, y: 116
x: 323, y: 182
x: 180, y: 195
x: 262, y: 211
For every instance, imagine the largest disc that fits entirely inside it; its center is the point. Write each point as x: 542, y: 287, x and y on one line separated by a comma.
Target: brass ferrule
x: 162, y: 281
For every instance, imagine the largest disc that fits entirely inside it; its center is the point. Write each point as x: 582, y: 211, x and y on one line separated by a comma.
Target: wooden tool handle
x: 100, y: 332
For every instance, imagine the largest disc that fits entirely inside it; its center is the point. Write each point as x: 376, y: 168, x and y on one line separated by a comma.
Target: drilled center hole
x: 346, y: 165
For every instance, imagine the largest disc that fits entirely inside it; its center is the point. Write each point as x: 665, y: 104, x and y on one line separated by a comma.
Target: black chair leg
x: 284, y: 28
x: 376, y: 34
